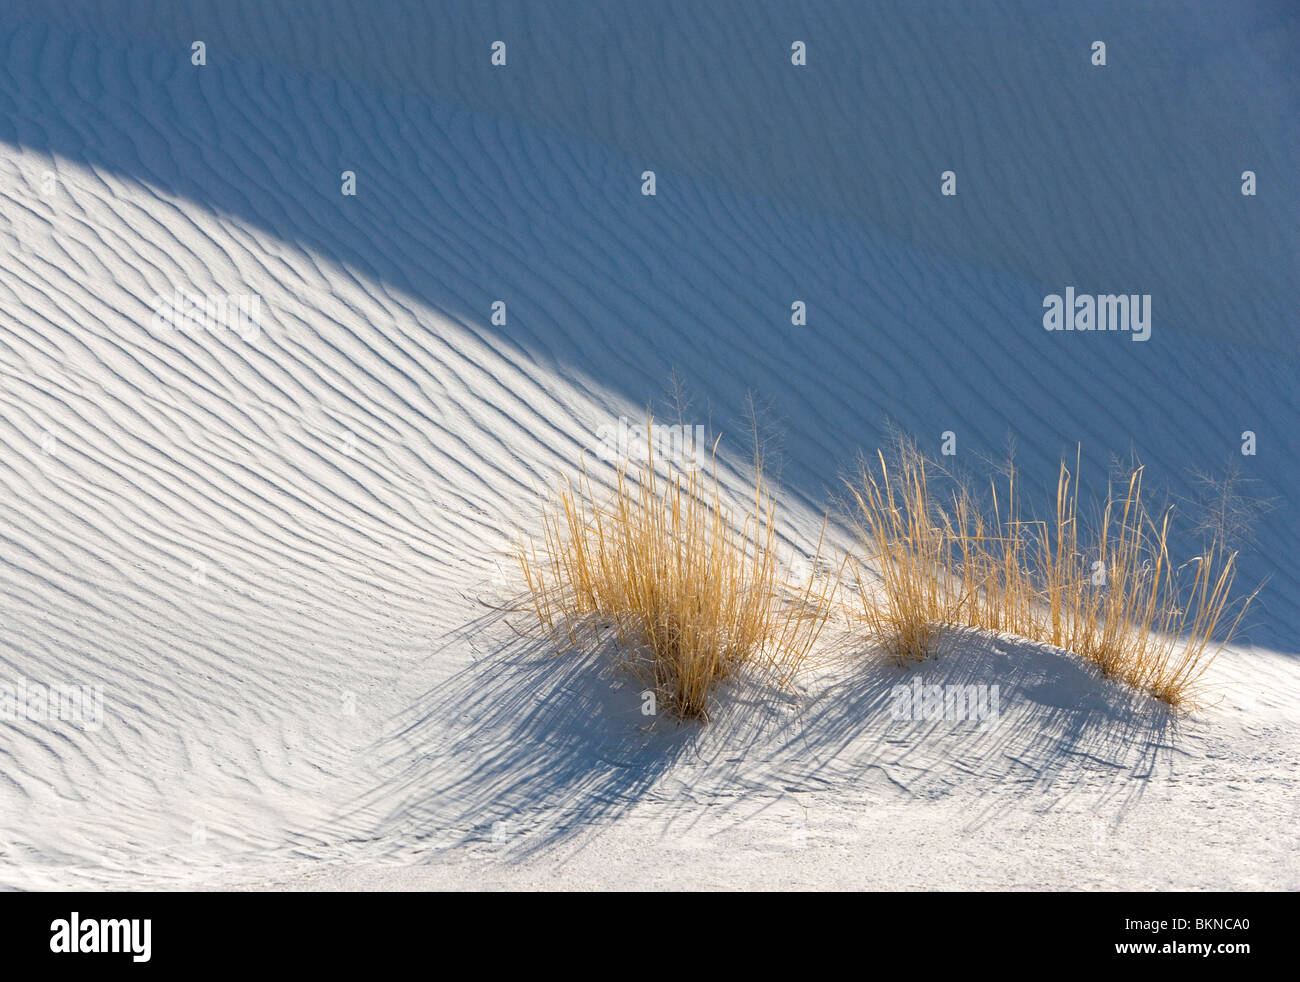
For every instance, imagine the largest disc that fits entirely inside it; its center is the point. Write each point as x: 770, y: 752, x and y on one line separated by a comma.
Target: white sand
x: 269, y: 551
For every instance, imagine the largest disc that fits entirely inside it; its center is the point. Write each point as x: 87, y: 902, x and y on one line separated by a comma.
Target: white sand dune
x: 269, y: 549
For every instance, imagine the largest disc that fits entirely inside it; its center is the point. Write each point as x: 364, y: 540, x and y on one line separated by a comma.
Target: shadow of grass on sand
x: 1055, y: 728
x: 528, y: 750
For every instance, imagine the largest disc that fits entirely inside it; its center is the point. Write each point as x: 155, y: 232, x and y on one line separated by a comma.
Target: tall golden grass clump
x: 1110, y: 593
x: 694, y: 585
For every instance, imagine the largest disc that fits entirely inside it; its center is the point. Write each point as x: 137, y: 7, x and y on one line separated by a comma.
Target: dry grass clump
x: 1109, y: 593
x: 678, y: 574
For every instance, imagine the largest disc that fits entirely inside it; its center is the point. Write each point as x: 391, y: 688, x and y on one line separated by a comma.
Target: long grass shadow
x: 527, y: 749
x: 1052, y: 727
